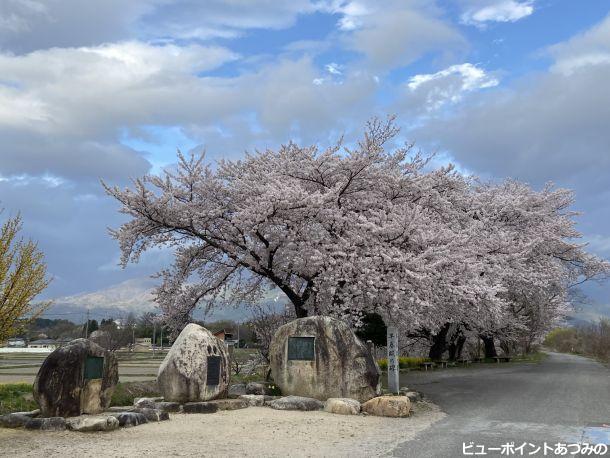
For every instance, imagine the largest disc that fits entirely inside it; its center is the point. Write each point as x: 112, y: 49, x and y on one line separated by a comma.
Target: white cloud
x: 587, y: 49
x: 448, y: 85
x: 497, y: 11
x: 334, y: 69
x: 398, y: 35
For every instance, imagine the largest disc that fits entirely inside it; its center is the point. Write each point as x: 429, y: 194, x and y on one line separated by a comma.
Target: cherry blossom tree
x: 345, y: 231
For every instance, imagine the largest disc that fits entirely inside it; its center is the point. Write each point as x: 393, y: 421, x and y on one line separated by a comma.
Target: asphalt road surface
x: 565, y: 398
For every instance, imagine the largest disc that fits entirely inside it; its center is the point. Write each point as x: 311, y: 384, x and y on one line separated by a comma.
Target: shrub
x: 404, y: 362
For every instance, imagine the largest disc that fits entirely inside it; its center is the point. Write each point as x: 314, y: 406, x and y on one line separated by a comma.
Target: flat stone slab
x: 296, y: 403
x: 92, y: 423
x: 167, y: 406
x: 258, y: 400
x: 342, y: 406
x: 14, y: 420
x: 230, y: 404
x: 31, y: 414
x: 47, y: 424
x: 153, y: 415
x: 128, y: 419
x: 121, y: 409
x: 200, y: 407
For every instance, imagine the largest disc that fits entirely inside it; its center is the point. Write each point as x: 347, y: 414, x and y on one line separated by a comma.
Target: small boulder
x: 128, y: 419
x: 148, y: 403
x: 296, y: 403
x: 256, y: 388
x: 230, y: 404
x: 343, y: 406
x: 237, y: 389
x: 92, y: 423
x: 47, y: 424
x: 14, y: 420
x: 257, y: 400
x: 196, y: 368
x: 199, y: 407
x: 414, y: 396
x: 153, y: 415
x: 388, y: 406
x: 167, y: 406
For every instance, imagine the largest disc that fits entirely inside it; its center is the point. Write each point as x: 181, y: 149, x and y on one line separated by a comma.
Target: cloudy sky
x: 110, y: 89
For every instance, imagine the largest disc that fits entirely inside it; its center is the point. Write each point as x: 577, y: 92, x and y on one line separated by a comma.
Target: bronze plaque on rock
x: 301, y: 348
x: 213, y: 377
x: 94, y: 367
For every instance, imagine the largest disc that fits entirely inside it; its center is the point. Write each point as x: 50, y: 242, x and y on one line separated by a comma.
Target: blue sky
x: 502, y: 88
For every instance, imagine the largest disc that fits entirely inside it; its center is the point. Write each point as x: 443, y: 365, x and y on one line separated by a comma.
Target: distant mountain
x: 135, y: 296
x: 131, y: 296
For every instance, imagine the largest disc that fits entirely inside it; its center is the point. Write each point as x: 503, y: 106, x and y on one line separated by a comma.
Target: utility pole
x: 87, y: 326
x: 154, y: 337
x: 161, y: 337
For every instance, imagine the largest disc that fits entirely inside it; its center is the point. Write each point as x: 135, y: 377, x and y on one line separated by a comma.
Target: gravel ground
x: 255, y: 431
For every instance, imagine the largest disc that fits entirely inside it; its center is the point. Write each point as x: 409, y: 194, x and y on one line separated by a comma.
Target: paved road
x: 562, y: 399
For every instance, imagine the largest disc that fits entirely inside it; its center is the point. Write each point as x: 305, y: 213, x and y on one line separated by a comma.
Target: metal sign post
x: 393, y: 367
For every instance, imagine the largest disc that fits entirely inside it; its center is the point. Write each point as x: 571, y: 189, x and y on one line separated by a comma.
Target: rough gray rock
x: 256, y: 388
x: 166, y: 406
x: 153, y: 415
x: 342, y: 367
x: 257, y: 400
x: 237, y: 389
x: 14, y: 420
x: 128, y: 419
x: 230, y: 404
x: 60, y: 387
x: 199, y: 407
x: 296, y: 403
x: 47, y: 424
x: 183, y: 374
x: 343, y: 406
x: 92, y: 423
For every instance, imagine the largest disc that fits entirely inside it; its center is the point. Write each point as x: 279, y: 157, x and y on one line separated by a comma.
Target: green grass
x: 404, y: 362
x: 534, y: 357
x: 16, y: 397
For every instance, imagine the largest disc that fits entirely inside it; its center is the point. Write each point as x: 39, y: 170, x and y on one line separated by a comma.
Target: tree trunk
x: 300, y: 311
x: 439, y: 343
x: 490, y: 346
x: 455, y: 348
x: 460, y: 346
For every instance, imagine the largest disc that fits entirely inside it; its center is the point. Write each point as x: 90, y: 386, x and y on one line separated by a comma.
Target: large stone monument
x: 75, y: 379
x: 321, y: 357
x: 196, y: 367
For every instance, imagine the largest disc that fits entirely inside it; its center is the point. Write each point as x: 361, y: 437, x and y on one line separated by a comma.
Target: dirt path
x: 256, y: 431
